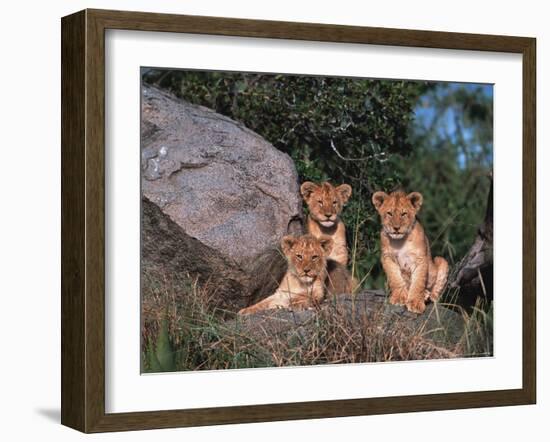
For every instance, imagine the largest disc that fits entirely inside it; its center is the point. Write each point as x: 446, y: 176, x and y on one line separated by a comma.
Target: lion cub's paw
x: 399, y: 296
x: 416, y: 305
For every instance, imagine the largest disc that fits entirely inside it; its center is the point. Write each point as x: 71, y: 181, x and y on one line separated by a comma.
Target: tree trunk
x: 473, y: 276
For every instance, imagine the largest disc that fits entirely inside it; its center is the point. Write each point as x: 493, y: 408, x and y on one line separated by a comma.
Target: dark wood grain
x: 529, y: 221
x: 83, y: 220
x: 307, y: 31
x: 95, y: 221
x: 73, y: 128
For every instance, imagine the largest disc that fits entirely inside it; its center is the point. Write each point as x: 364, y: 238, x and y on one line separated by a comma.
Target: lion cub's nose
x: 328, y: 215
x: 306, y: 271
x: 396, y: 229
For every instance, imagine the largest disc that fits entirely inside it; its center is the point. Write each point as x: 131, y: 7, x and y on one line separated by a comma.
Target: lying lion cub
x: 325, y: 202
x: 307, y: 276
x: 406, y: 258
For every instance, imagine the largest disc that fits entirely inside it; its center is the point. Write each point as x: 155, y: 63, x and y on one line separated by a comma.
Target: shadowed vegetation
x: 183, y: 330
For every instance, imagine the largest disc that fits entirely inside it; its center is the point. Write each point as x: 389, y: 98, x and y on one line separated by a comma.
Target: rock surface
x: 214, y: 193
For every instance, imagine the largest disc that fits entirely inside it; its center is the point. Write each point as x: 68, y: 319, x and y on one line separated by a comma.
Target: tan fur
x: 413, y: 277
x: 303, y: 284
x: 325, y: 203
x: 339, y: 280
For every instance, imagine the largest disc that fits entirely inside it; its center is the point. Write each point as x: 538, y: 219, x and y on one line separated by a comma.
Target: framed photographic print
x: 267, y: 220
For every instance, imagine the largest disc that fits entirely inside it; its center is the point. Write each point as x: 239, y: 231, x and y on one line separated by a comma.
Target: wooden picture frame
x: 83, y: 220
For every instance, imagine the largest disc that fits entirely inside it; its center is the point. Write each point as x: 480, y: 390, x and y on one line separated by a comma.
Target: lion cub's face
x: 306, y: 255
x: 325, y: 201
x: 397, y: 212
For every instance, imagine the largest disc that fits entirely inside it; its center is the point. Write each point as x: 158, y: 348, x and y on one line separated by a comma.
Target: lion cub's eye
x: 320, y: 202
x: 404, y: 214
x: 334, y: 203
x: 389, y: 214
x: 298, y: 257
x: 314, y: 258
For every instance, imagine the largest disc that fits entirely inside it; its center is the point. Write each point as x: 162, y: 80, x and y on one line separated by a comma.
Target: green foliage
x: 337, y: 129
x: 310, y: 117
x: 478, y: 336
x: 435, y: 138
x: 160, y: 357
x: 451, y: 164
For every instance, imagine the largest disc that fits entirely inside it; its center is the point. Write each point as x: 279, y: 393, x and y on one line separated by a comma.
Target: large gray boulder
x: 214, y: 193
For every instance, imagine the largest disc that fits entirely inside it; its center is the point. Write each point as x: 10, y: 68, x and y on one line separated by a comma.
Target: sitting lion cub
x: 325, y: 202
x: 303, y: 285
x: 406, y: 258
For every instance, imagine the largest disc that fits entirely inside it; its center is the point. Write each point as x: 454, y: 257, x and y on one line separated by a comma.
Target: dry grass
x: 334, y: 336
x: 182, y: 329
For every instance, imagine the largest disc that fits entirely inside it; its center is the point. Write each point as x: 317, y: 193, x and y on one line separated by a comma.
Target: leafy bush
x: 451, y: 163
x: 435, y: 138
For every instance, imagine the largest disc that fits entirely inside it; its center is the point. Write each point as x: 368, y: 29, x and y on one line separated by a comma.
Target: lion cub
x: 412, y: 275
x: 303, y: 285
x: 325, y: 202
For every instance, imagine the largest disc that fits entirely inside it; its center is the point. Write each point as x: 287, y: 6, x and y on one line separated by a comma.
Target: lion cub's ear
x: 344, y: 190
x: 378, y: 199
x: 416, y: 200
x: 287, y: 242
x: 326, y: 244
x: 307, y: 188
